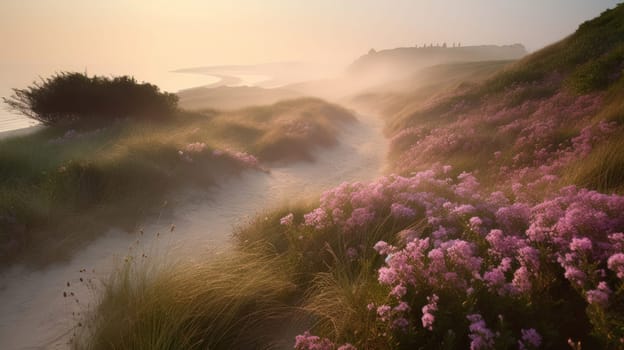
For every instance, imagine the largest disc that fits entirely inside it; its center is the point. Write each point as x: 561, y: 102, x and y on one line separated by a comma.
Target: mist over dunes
x: 435, y: 197
x: 226, y: 97
x: 407, y: 60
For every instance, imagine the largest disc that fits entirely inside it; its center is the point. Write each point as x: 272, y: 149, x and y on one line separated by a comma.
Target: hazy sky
x: 182, y: 33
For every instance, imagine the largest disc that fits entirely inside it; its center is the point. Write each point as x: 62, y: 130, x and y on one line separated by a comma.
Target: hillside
x: 380, y: 65
x: 552, y: 108
x: 500, y: 227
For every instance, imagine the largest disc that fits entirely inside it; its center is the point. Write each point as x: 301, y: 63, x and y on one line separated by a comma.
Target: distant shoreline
x: 5, y: 134
x: 224, y: 80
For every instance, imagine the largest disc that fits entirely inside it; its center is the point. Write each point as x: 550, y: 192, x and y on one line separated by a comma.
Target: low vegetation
x: 64, y: 185
x: 69, y: 97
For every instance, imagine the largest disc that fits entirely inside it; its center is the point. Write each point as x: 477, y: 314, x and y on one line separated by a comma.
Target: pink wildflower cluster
x: 243, y: 158
x: 481, y: 337
x: 287, y: 220
x: 578, y: 227
x: 530, y: 339
x: 459, y: 246
x: 428, y: 318
x: 196, y: 147
x: 526, y: 138
x: 355, y: 206
x: 191, y: 149
x: 478, y: 245
x: 307, y: 341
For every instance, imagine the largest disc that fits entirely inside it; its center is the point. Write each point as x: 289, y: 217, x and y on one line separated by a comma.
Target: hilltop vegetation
x: 501, y: 229
x: 64, y: 185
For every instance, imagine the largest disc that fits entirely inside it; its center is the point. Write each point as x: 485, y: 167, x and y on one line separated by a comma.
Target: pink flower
x: 464, y: 209
x: 399, y: 211
x: 475, y: 223
x: 428, y: 318
x: 616, y: 263
x: 600, y: 295
x: 580, y: 244
x: 317, y: 218
x: 481, y: 336
x: 382, y: 248
x: 287, y: 220
x: 402, y: 307
x: 574, y: 275
x: 360, y: 217
x: 398, y: 291
x: 529, y: 337
x: 307, y: 341
x: 400, y: 323
x: 383, y: 311
x: 347, y: 346
x: 521, y: 280
x: 196, y: 147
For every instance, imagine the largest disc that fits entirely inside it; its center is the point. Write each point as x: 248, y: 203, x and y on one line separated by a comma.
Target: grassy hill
x: 503, y: 229
x: 386, y: 64
x: 560, y: 107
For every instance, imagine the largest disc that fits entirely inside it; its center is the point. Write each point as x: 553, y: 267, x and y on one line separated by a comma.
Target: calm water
x: 22, y: 75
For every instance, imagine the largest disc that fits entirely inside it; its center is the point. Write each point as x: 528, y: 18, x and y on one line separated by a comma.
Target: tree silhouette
x: 75, y: 96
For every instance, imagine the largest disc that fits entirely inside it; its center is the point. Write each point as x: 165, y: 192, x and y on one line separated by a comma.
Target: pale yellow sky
x: 173, y: 34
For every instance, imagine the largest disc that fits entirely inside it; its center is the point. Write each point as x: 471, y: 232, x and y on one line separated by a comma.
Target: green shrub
x: 68, y: 96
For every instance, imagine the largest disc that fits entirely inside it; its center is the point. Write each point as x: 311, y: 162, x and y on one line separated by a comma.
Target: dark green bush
x: 69, y: 96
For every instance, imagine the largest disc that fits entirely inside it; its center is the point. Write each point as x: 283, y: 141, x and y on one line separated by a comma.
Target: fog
x: 164, y: 35
x: 224, y: 56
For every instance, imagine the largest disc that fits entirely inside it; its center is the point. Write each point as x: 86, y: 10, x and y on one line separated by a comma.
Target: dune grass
x: 277, y: 282
x: 235, y: 301
x: 61, y: 187
x: 601, y: 170
x: 285, y: 131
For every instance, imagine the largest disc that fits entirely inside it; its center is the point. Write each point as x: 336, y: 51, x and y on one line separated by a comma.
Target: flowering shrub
x: 307, y: 341
x: 532, y: 138
x: 494, y: 251
x: 504, y: 262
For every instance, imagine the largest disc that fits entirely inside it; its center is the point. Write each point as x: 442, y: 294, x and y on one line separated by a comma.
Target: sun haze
x: 194, y: 32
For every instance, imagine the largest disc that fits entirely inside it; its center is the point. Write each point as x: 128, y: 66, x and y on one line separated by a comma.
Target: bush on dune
x: 68, y: 97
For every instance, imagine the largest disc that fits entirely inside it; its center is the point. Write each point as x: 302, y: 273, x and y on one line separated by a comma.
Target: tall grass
x: 234, y: 301
x: 602, y: 170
